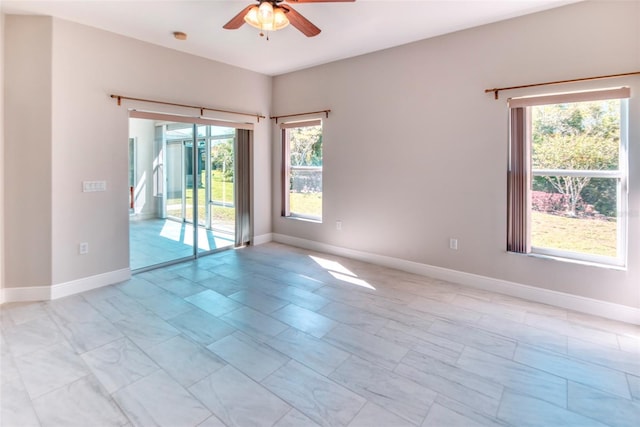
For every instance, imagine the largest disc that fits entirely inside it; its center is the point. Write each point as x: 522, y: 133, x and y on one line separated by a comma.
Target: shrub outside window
x: 574, y: 172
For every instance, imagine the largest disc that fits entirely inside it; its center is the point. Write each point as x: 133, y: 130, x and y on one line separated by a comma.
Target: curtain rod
x: 300, y: 114
x: 497, y: 90
x: 202, y: 109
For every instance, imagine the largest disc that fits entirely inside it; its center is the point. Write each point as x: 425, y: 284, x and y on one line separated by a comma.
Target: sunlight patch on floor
x: 341, y: 273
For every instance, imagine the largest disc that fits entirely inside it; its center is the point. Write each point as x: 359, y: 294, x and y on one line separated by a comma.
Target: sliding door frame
x: 195, y: 171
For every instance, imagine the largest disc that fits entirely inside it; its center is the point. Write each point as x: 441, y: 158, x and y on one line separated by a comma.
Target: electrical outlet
x: 83, y: 248
x: 453, y: 244
x: 339, y: 225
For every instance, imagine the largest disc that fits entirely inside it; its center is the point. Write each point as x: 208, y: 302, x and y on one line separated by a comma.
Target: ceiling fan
x: 272, y: 15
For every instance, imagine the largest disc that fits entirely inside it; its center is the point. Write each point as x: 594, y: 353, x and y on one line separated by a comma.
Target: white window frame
x: 286, y: 168
x: 621, y: 174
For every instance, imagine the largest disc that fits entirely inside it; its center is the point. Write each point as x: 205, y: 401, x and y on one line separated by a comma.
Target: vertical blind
x: 243, y: 152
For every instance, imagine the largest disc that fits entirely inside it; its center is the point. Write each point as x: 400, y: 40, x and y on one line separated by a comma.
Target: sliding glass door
x: 188, y: 207
x: 220, y: 210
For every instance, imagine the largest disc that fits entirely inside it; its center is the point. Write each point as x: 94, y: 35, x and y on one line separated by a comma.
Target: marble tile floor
x: 156, y: 241
x: 278, y: 336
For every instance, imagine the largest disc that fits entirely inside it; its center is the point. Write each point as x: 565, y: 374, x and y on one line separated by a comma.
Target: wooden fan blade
x: 319, y: 1
x: 300, y: 22
x: 237, y: 21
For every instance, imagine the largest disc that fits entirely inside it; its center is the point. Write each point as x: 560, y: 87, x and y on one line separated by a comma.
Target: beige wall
x: 415, y: 152
x: 1, y: 155
x: 27, y: 151
x: 73, y: 132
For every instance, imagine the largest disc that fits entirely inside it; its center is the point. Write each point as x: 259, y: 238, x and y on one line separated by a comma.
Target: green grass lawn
x: 306, y: 203
x: 222, y: 192
x: 590, y: 236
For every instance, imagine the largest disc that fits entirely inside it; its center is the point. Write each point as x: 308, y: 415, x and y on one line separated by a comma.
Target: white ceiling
x: 348, y: 29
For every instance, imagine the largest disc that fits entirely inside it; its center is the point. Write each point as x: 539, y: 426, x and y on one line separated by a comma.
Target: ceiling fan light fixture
x: 265, y: 12
x: 279, y: 19
x: 266, y: 18
x: 251, y: 17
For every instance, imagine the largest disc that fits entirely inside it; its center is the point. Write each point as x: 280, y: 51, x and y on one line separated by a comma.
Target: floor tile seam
x: 179, y: 332
x: 24, y: 389
x: 358, y: 327
x: 472, y: 326
x: 65, y: 343
x: 474, y: 410
x: 574, y: 380
x: 63, y: 324
x: 131, y: 342
x: 367, y: 401
x: 441, y: 316
x: 15, y: 356
x: 567, y: 408
x: 479, y: 377
x: 45, y: 314
x: 415, y: 348
x: 386, y: 341
x: 122, y: 335
x: 289, y: 359
x: 264, y: 385
x: 364, y: 305
x: 291, y: 408
x: 259, y: 343
x: 354, y: 390
x: 326, y: 378
x: 260, y: 310
x: 523, y: 392
x: 500, y: 305
x: 535, y: 368
x: 411, y: 347
x: 634, y: 398
x: 87, y: 374
x: 527, y: 367
x: 519, y: 340
x: 584, y: 319
x: 606, y: 348
x: 633, y: 401
x: 9, y: 311
x: 35, y: 412
x: 612, y: 365
x: 568, y: 326
x: 494, y: 420
x: 186, y: 389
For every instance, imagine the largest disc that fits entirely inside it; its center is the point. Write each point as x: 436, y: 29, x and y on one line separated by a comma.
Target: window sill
x: 574, y: 261
x: 304, y: 219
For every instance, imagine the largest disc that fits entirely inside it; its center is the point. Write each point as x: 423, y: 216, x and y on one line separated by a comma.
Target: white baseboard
x: 263, y: 238
x: 582, y: 304
x: 30, y: 293
x: 60, y: 290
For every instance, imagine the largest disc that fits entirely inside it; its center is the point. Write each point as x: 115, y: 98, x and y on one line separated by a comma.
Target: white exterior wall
x: 145, y: 204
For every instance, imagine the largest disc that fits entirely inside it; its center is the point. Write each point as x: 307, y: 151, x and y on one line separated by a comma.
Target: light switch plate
x: 93, y: 186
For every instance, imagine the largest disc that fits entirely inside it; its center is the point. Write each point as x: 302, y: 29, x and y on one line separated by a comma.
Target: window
x: 568, y: 176
x: 302, y: 170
